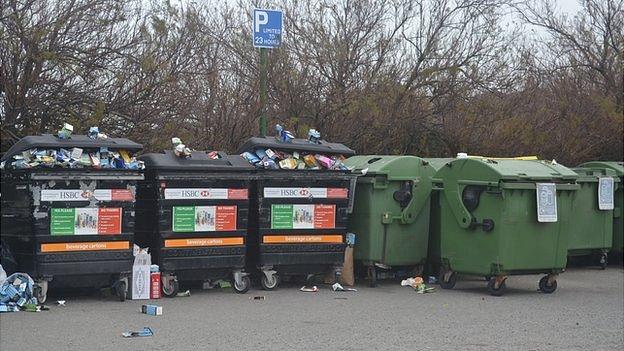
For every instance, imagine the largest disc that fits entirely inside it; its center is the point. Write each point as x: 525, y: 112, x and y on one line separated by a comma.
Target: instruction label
x: 303, y: 216
x: 301, y: 239
x: 546, y: 202
x: 86, y: 246
x: 196, y: 242
x: 205, y: 193
x: 85, y: 221
x: 320, y: 193
x: 605, y: 193
x: 204, y: 218
x: 86, y: 195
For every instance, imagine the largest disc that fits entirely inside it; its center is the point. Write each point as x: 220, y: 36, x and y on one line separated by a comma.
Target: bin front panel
x: 201, y: 223
x: 296, y: 215
x: 393, y: 243
x: 517, y: 243
x: 62, y: 226
x: 590, y: 227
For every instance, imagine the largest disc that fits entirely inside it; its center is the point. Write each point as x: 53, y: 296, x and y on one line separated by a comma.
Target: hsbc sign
x: 319, y: 193
x: 51, y: 195
x: 204, y: 193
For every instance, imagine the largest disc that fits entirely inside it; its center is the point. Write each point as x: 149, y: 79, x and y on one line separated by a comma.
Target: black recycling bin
x: 298, y: 217
x: 192, y: 213
x: 68, y: 215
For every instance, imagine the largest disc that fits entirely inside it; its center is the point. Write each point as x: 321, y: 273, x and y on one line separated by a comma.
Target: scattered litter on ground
x: 338, y: 287
x: 184, y: 294
x: 152, y: 310
x: 418, y: 284
x: 147, y: 331
x: 432, y: 280
x: 61, y: 302
x: 261, y: 297
x: 224, y: 284
x: 16, y: 292
x: 312, y: 289
x: 340, y: 298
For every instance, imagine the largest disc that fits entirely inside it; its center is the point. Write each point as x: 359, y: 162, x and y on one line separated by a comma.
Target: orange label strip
x: 194, y: 242
x: 288, y: 239
x: 85, y: 246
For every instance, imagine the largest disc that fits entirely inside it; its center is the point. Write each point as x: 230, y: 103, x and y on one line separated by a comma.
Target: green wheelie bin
x: 591, y: 223
x: 618, y: 228
x: 504, y: 217
x: 391, y: 212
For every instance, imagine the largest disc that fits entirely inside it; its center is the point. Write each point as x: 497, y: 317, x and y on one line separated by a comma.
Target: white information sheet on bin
x: 546, y: 202
x: 605, y: 193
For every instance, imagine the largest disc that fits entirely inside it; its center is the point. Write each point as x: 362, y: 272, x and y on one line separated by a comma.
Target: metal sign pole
x: 263, y: 90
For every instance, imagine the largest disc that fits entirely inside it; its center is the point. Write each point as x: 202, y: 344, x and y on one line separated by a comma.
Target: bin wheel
x: 39, y: 294
x: 603, y: 261
x: 372, y: 276
x: 493, y: 290
x: 269, y: 283
x: 243, y: 287
x: 121, y: 290
x: 170, y: 290
x: 450, y: 283
x: 545, y: 288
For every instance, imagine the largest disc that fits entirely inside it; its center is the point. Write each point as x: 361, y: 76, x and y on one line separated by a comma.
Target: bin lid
x: 616, y: 166
x: 299, y: 145
x: 401, y: 167
x: 49, y: 141
x: 199, y: 161
x: 494, y: 170
x: 587, y: 174
x: 438, y: 163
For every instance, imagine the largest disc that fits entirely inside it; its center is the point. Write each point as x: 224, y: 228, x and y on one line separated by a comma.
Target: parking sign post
x: 267, y: 34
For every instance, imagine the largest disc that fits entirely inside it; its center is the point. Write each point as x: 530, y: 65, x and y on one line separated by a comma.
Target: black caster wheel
x: 447, y: 283
x: 39, y: 294
x: 171, y: 289
x: 603, y: 262
x: 269, y: 283
x: 372, y: 276
x: 545, y: 288
x: 121, y: 290
x: 243, y: 287
x: 493, y: 290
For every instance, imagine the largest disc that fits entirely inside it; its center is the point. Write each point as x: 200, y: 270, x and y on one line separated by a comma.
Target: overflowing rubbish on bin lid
x: 283, y: 135
x: 75, y: 157
x: 95, y: 150
x: 276, y: 159
x: 16, y: 294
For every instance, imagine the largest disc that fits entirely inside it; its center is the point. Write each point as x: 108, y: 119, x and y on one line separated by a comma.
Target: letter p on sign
x: 261, y: 18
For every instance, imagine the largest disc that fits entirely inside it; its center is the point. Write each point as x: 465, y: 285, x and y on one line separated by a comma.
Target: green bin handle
x: 453, y: 196
x: 416, y: 204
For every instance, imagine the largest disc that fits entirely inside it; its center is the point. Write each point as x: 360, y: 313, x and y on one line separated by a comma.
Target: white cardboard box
x: 141, y: 276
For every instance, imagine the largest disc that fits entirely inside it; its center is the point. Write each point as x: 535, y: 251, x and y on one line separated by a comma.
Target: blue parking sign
x: 267, y: 28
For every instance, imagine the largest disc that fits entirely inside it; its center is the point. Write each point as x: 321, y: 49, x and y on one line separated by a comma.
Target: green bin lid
x: 494, y: 170
x: 587, y: 174
x: 199, y: 161
x: 438, y: 163
x: 616, y: 166
x: 398, y: 167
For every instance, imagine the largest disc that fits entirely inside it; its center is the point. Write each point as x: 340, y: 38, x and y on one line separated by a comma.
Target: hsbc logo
x: 204, y: 193
x: 71, y: 195
x: 304, y: 192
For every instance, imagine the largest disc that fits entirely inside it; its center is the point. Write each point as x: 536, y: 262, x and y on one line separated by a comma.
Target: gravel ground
x: 585, y: 313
